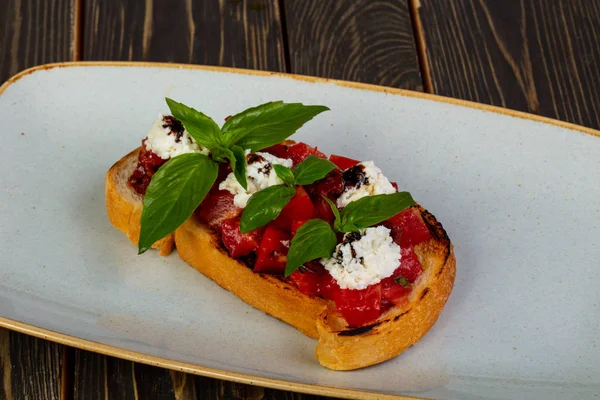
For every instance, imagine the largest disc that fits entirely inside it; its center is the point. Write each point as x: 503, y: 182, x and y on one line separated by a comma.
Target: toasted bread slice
x: 124, y: 205
x: 339, y: 347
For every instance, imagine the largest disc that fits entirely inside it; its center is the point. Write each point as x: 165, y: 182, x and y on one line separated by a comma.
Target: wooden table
x: 539, y: 56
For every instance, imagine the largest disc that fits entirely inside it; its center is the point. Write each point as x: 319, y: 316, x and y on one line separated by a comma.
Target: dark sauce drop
x: 175, y: 126
x: 355, y: 176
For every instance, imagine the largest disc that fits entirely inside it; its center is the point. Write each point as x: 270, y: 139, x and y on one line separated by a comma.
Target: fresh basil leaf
x: 312, y: 169
x: 372, y: 210
x: 401, y: 280
x: 175, y: 191
x: 239, y: 166
x: 314, y: 239
x: 201, y: 127
x: 337, y: 220
x: 285, y: 174
x: 220, y: 154
x: 267, y: 124
x: 264, y: 206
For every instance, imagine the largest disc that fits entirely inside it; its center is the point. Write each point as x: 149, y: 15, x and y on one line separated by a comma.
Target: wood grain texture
x: 358, y: 40
x: 234, y: 33
x: 535, y: 56
x: 30, y: 368
x: 102, y: 377
x: 34, y: 32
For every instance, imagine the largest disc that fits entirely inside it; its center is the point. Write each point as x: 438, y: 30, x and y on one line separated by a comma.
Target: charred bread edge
x: 124, y: 206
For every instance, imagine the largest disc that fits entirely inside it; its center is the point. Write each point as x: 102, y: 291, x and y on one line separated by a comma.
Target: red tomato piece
x: 299, y: 151
x: 394, y: 293
x: 308, y: 278
x: 218, y: 207
x: 343, y: 163
x: 359, y: 307
x: 410, y: 267
x: 239, y: 244
x: 272, y: 252
x: 331, y: 186
x: 296, y: 224
x: 278, y: 150
x: 408, y: 228
x: 324, y: 210
x: 299, y: 208
x: 328, y: 286
x: 395, y: 185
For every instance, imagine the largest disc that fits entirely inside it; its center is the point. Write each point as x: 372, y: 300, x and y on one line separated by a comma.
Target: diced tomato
x: 313, y: 280
x: 395, y: 185
x: 394, y: 293
x: 324, y: 210
x: 343, y: 162
x: 218, y: 207
x: 278, y: 150
x: 299, y: 208
x: 296, y: 224
x: 410, y: 268
x: 359, y: 307
x: 308, y: 278
x: 328, y: 286
x: 239, y: 244
x: 331, y: 186
x: 272, y: 252
x: 408, y: 228
x: 299, y: 151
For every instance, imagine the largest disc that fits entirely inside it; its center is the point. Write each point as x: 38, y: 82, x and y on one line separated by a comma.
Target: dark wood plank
x: 30, y: 368
x: 34, y: 32
x: 234, y: 33
x: 358, y: 40
x: 536, y: 56
x: 101, y: 377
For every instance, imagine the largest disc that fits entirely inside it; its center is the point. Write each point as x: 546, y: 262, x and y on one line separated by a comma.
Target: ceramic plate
x: 518, y: 195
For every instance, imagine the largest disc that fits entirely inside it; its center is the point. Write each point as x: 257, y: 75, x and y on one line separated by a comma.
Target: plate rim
x: 310, y: 79
x: 196, y: 369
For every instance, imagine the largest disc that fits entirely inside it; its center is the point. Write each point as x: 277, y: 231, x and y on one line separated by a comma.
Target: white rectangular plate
x: 519, y: 198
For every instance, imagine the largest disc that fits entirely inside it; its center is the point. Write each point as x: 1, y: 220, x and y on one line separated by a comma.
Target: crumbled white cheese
x: 360, y: 263
x: 376, y: 183
x: 260, y: 175
x: 165, y: 144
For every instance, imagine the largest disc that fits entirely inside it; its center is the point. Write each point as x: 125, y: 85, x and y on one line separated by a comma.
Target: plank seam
x: 284, y: 36
x: 420, y: 44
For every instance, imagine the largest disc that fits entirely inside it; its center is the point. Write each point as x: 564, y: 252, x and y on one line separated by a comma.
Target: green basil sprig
x: 357, y: 215
x: 264, y: 206
x: 180, y: 185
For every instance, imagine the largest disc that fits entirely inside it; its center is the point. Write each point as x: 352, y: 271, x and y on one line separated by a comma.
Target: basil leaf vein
x: 264, y: 206
x: 312, y: 169
x: 372, y: 210
x: 175, y: 191
x: 201, y: 127
x: 314, y: 239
